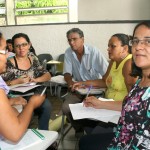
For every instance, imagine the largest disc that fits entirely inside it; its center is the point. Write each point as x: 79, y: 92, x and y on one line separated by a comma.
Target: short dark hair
x: 18, y: 35
x: 124, y: 39
x: 75, y: 30
x: 9, y: 41
x: 136, y: 71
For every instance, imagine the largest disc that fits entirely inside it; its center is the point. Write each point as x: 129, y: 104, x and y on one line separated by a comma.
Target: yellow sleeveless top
x: 116, y: 88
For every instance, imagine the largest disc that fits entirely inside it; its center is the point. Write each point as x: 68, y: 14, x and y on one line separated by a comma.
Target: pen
x: 43, y: 91
x: 38, y: 134
x: 88, y: 92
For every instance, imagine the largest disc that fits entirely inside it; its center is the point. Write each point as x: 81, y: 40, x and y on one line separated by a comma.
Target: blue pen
x: 88, y: 92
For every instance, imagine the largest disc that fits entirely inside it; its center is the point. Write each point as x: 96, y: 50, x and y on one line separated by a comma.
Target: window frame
x: 11, y: 18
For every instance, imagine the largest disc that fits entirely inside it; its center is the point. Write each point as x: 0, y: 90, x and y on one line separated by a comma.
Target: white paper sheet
x: 80, y: 112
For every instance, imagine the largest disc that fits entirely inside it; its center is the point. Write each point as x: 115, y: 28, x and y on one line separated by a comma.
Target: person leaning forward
x: 82, y: 62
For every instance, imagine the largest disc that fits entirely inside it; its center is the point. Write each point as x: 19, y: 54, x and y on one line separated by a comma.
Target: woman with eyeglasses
x: 25, y: 67
x: 133, y: 129
x: 12, y: 126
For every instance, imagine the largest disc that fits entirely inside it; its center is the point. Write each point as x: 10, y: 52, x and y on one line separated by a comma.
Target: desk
x: 53, y: 63
x: 50, y: 137
x: 57, y: 82
x: 94, y: 91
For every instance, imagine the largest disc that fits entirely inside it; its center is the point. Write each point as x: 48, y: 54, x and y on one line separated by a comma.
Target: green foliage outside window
x: 39, y: 4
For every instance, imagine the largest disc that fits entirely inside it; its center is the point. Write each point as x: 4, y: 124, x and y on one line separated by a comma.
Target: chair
x: 60, y: 66
x: 44, y: 58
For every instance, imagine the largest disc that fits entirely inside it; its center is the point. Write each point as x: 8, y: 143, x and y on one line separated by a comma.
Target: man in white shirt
x: 81, y: 63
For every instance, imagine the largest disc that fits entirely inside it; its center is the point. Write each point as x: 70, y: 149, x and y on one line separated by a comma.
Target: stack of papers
x: 80, y: 112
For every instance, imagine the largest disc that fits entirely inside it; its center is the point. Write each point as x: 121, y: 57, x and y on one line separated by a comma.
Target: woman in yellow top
x: 116, y: 82
x: 117, y: 79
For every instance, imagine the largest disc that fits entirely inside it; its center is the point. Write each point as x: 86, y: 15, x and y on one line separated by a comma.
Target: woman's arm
x: 98, y: 104
x: 12, y: 127
x: 43, y: 78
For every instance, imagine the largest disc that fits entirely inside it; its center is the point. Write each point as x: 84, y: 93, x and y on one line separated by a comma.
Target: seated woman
x: 25, y: 67
x: 133, y: 129
x: 12, y: 127
x: 117, y: 79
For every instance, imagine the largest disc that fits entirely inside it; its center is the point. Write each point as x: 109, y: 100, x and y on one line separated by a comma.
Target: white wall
x: 52, y: 38
x: 114, y: 10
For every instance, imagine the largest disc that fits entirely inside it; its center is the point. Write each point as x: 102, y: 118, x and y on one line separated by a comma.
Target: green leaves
x: 41, y: 4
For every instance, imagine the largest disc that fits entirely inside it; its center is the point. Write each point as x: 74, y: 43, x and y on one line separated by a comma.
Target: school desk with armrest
x: 32, y: 140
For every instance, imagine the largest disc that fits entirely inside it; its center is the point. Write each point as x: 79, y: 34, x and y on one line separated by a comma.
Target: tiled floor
x: 70, y: 142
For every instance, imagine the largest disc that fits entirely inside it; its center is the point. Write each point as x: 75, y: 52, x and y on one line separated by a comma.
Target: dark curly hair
x: 18, y: 35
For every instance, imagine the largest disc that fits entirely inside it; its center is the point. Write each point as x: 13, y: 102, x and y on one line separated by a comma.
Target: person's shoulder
x: 32, y: 56
x: 68, y: 51
x: 91, y: 48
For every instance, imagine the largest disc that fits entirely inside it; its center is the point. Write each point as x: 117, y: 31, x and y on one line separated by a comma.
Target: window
x: 21, y: 12
x: 2, y: 13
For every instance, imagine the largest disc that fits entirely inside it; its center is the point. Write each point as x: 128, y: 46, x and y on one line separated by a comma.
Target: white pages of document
x: 23, y: 87
x: 80, y: 112
x: 29, y: 138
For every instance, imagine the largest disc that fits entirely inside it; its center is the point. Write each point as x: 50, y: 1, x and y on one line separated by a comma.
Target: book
x: 28, y: 139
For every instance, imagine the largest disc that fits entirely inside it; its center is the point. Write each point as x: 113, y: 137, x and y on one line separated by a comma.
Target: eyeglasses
x: 21, y: 45
x: 73, y: 39
x: 135, y: 42
x: 3, y: 52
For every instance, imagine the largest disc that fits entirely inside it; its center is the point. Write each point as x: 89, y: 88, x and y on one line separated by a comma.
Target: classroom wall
x: 114, y: 10
x: 52, y: 38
